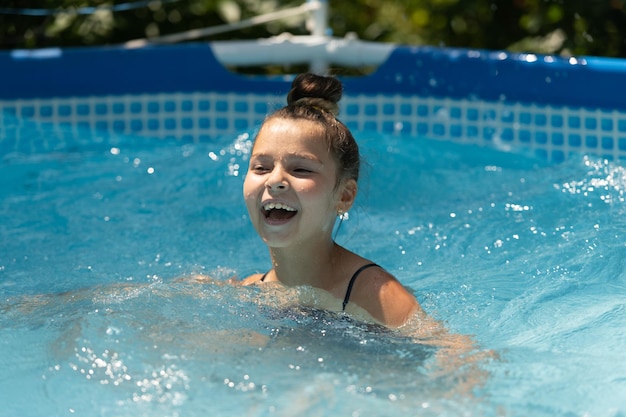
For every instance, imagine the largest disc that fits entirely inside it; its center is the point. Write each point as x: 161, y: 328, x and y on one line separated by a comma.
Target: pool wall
x: 548, y: 105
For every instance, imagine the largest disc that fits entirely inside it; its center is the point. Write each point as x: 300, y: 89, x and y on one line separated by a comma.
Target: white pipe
x: 287, y: 49
x: 214, y: 30
x: 317, y: 24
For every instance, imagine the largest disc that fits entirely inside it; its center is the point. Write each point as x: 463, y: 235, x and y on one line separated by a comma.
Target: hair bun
x: 317, y: 91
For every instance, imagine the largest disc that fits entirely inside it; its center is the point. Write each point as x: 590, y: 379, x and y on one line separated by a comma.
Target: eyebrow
x: 303, y: 156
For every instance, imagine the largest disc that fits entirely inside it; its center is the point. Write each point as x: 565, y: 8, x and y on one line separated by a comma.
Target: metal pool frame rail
x: 548, y: 105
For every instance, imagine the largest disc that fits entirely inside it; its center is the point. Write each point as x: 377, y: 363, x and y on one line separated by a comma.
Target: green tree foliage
x: 569, y: 27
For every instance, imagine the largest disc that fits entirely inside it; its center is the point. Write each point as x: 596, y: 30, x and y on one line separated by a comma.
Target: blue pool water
x: 527, y: 257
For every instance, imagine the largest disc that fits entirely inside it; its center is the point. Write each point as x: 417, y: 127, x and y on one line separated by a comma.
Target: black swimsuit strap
x: 356, y: 274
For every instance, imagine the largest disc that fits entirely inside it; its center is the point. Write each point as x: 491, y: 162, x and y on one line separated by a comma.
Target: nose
x: 276, y: 181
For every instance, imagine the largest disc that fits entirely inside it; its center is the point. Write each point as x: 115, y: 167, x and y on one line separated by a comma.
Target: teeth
x: 280, y: 206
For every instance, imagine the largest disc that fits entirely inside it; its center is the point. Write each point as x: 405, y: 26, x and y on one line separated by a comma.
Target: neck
x: 306, y: 265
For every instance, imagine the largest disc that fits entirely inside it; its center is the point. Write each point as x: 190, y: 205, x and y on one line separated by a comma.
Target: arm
x: 386, y: 300
x: 252, y: 279
x: 207, y: 279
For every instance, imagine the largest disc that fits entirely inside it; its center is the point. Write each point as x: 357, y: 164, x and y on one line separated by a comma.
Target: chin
x: 281, y: 240
x: 275, y: 243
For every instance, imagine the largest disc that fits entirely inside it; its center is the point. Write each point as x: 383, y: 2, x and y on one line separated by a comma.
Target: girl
x: 303, y: 174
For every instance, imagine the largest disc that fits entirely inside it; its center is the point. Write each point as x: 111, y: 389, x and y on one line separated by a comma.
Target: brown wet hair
x: 315, y: 98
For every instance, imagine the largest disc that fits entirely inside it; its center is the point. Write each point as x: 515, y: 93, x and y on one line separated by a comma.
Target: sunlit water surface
x: 527, y: 257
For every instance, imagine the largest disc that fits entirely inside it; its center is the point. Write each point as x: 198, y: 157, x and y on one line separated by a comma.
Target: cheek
x: 249, y: 191
x: 308, y: 189
x: 248, y: 186
x: 319, y: 196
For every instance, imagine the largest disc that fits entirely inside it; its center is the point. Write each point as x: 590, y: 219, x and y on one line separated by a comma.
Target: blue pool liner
x: 552, y: 106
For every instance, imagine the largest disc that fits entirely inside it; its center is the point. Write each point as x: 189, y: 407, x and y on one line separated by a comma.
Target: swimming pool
x: 100, y: 221
x: 525, y: 255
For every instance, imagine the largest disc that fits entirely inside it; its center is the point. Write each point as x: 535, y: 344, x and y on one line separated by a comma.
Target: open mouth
x: 278, y: 211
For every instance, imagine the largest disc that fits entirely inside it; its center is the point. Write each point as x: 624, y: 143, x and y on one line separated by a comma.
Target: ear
x: 347, y: 195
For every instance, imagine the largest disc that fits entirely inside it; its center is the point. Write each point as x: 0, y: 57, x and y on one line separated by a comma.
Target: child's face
x: 290, y: 188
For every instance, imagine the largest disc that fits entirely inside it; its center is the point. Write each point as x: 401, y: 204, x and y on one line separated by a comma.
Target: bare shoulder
x: 384, y: 297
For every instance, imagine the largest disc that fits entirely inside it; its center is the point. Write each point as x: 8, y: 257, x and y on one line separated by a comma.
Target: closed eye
x: 303, y: 172
x: 259, y: 169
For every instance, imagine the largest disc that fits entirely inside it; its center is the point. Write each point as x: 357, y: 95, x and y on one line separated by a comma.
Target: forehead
x: 291, y: 136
